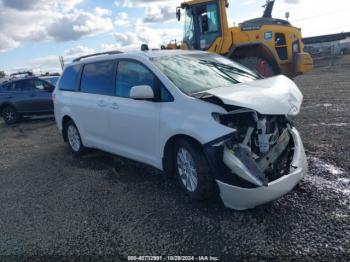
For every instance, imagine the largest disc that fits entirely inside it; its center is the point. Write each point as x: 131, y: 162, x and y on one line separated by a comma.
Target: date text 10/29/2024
x: 173, y: 258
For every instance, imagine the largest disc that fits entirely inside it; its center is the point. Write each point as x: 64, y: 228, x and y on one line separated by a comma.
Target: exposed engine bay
x: 260, y: 150
x: 264, y: 157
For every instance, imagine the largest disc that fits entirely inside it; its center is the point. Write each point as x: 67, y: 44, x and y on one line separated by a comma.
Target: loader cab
x: 202, y: 25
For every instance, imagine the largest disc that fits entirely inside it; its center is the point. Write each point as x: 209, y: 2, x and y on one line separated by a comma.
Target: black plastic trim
x: 220, y: 139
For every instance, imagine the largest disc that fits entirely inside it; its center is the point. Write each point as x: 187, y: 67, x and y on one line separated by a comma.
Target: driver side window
x: 132, y: 74
x: 38, y: 85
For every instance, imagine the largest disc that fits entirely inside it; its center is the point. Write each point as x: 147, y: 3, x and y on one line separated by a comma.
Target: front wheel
x: 74, y: 139
x: 260, y: 65
x: 192, y: 170
x: 10, y: 115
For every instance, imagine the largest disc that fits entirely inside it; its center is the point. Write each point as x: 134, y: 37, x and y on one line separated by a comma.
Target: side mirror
x: 178, y: 13
x: 143, y: 92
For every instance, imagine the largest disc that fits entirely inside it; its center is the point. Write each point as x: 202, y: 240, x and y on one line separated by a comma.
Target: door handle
x: 102, y: 103
x: 32, y: 95
x: 115, y: 106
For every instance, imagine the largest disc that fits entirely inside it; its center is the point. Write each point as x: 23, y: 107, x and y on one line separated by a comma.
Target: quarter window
x: 98, y: 78
x: 165, y: 95
x: 7, y: 87
x: 69, y: 78
x: 132, y: 74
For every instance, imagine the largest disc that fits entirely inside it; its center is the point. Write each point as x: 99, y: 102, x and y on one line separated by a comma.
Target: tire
x: 192, y: 170
x: 260, y: 65
x: 73, y: 138
x: 10, y: 115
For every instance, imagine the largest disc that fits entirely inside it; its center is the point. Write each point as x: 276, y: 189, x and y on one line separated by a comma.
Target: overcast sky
x: 33, y: 33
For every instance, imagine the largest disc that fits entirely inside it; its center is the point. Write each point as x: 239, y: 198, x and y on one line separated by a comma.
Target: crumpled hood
x: 272, y: 96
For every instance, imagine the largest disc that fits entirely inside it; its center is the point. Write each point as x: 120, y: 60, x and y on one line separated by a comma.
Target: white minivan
x: 217, y: 126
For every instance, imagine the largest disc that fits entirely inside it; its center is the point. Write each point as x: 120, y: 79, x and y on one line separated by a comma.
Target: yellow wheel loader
x: 267, y: 45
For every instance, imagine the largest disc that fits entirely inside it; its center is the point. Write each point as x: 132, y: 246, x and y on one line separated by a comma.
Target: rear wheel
x: 73, y: 138
x: 10, y: 115
x: 260, y: 65
x: 192, y: 170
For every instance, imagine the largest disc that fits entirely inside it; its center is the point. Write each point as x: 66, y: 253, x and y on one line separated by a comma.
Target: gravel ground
x: 56, y: 205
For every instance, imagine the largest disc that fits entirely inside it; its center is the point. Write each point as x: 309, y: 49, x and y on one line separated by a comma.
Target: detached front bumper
x: 243, y: 198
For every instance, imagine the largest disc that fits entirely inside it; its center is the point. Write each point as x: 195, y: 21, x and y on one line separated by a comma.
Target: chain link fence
x: 328, y: 50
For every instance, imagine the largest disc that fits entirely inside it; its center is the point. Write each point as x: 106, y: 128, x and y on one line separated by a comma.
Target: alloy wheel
x: 73, y: 138
x: 187, y: 169
x: 8, y: 115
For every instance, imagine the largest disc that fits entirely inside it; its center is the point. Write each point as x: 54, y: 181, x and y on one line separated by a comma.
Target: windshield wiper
x: 235, y: 70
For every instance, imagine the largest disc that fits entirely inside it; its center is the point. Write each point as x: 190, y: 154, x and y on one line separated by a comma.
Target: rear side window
x: 97, y: 78
x: 7, y: 87
x: 14, y: 86
x: 24, y: 85
x: 69, y: 78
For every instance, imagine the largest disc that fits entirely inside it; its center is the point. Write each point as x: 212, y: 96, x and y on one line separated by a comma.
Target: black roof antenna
x: 268, y: 8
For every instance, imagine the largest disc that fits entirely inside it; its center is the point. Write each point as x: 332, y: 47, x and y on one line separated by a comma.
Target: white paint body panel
x: 272, y: 96
x: 91, y: 118
x: 134, y: 130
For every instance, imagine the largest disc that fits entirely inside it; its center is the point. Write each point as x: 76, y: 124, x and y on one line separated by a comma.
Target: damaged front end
x: 262, y: 160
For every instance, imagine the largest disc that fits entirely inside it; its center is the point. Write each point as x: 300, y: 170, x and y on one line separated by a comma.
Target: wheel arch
x: 168, y: 152
x: 255, y: 50
x: 65, y: 120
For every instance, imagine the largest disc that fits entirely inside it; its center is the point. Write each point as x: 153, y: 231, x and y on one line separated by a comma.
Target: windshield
x: 52, y: 80
x: 195, y: 73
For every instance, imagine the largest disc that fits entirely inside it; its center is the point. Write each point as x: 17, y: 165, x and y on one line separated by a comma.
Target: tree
x: 2, y: 74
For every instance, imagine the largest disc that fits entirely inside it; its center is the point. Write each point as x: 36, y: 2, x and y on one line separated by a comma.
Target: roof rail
x: 27, y: 73
x: 97, y: 54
